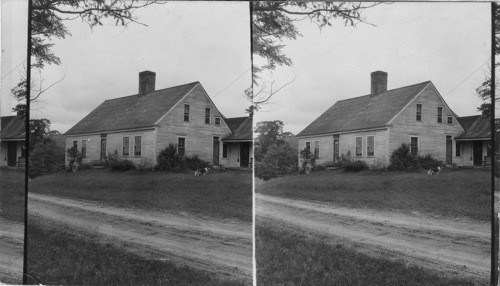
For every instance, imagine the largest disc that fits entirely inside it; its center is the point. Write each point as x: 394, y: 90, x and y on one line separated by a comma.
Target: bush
x: 306, y: 157
x: 115, y: 163
x: 46, y: 158
x: 74, y: 155
x: 195, y: 163
x: 403, y: 160
x: 280, y: 160
x: 347, y: 163
x: 169, y: 160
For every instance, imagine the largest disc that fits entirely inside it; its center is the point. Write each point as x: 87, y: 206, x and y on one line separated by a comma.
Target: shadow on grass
x: 289, y: 258
x: 12, y: 194
x: 62, y: 257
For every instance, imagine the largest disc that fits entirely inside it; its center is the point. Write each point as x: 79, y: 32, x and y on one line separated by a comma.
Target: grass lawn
x: 12, y: 194
x: 452, y: 193
x: 223, y: 195
x: 58, y: 257
x: 285, y: 257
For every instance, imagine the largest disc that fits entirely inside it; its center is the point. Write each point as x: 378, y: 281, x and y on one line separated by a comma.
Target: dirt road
x: 223, y: 247
x: 11, y: 252
x: 453, y: 247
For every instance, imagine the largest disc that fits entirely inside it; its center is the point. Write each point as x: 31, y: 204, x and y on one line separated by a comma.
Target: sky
x: 183, y: 42
x: 446, y: 43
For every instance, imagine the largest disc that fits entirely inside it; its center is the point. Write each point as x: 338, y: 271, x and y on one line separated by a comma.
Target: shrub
x: 195, y: 163
x: 403, y: 160
x: 280, y: 160
x: 115, y: 163
x: 46, y: 158
x: 355, y: 166
x: 74, y: 155
x: 306, y: 157
x: 170, y: 160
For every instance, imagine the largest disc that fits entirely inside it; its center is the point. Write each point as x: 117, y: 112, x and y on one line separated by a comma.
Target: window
x: 224, y: 150
x: 457, y: 149
x: 137, y: 145
x: 308, y: 146
x: 316, y: 149
x: 414, y: 146
x: 181, y: 146
x: 370, y: 146
x: 126, y: 146
x: 440, y: 115
x: 217, y: 121
x: 359, y: 146
x: 207, y: 115
x: 450, y: 120
x: 186, y: 112
x: 75, y: 143
x: 419, y: 112
x: 84, y: 148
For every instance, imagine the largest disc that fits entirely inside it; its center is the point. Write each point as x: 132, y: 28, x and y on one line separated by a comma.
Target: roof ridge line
x: 406, y: 86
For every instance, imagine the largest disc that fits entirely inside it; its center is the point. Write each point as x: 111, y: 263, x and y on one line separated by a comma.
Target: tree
x: 39, y: 129
x: 269, y: 133
x: 47, y: 24
x: 275, y: 21
x: 484, y: 90
x: 278, y: 161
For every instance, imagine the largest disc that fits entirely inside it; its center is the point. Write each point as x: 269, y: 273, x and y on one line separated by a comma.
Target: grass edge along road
x: 69, y: 257
x: 288, y: 255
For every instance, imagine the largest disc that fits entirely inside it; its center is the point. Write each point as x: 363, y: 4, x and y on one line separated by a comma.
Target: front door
x: 244, y: 154
x: 11, y: 153
x: 449, y: 153
x: 216, y: 151
x: 336, y: 156
x: 103, y: 149
x: 477, y: 153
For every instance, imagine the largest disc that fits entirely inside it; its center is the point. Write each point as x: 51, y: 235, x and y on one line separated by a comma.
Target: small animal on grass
x: 200, y: 172
x: 434, y: 171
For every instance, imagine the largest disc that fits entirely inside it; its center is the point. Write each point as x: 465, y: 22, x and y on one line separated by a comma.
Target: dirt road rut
x: 453, y: 247
x: 223, y: 247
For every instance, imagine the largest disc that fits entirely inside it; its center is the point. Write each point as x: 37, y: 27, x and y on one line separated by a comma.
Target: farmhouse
x: 12, y: 138
x: 138, y: 127
x: 372, y: 126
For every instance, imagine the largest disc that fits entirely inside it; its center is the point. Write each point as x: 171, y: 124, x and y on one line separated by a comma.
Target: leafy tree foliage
x: 269, y: 133
x: 39, y: 130
x: 484, y: 90
x: 47, y: 24
x: 275, y: 21
x: 278, y: 161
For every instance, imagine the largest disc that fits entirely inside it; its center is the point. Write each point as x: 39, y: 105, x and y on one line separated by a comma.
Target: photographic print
x: 12, y: 143
x: 141, y: 160
x: 372, y: 149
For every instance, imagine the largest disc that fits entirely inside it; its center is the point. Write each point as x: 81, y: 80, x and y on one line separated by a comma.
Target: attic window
x: 440, y: 115
x: 419, y: 112
x: 207, y: 115
x: 217, y: 121
x: 186, y: 112
x: 450, y: 120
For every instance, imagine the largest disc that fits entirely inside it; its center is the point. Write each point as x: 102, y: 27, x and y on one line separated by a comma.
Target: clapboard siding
x: 198, y: 135
x: 431, y: 134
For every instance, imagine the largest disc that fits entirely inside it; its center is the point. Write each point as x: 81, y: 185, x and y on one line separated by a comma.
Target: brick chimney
x: 146, y: 82
x: 379, y: 82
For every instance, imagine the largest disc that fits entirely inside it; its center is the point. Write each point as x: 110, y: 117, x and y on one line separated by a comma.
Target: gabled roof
x: 241, y: 128
x: 131, y: 112
x: 12, y: 127
x: 368, y: 111
x: 476, y: 126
